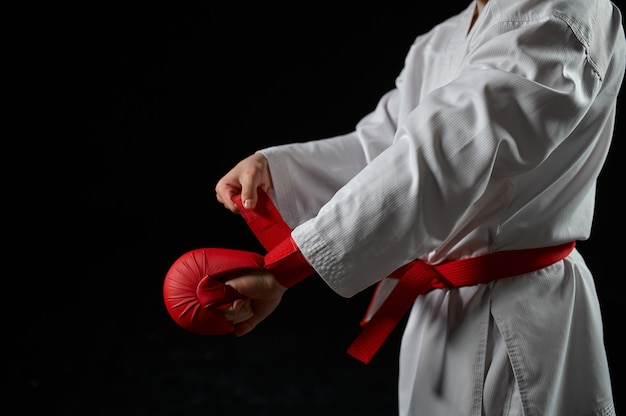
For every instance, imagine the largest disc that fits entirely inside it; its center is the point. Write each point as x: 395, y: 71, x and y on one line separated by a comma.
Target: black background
x: 132, y: 115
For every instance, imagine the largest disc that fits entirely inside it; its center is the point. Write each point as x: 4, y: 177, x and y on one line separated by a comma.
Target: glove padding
x: 194, y: 289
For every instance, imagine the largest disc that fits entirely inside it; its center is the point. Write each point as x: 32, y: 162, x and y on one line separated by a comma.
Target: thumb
x: 249, y: 195
x: 252, y: 284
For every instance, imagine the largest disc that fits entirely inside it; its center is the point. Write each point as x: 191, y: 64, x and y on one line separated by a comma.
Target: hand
x: 248, y: 175
x: 262, y: 294
x: 239, y: 311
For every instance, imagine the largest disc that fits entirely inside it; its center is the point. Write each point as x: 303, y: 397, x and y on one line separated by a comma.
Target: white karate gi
x: 492, y: 139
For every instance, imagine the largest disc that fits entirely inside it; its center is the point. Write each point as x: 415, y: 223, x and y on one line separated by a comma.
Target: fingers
x: 225, y: 189
x: 241, y: 314
x: 262, y: 294
x: 243, y: 328
x: 245, y: 178
x: 239, y: 311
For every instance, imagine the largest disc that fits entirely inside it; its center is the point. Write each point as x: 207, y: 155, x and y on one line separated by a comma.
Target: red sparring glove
x: 194, y: 289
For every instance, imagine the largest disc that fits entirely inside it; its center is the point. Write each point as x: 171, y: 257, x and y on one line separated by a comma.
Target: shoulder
x: 593, y: 27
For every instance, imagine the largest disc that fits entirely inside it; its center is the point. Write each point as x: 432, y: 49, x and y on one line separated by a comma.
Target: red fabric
x: 418, y: 277
x: 194, y: 291
x: 287, y: 264
x: 284, y: 258
x: 264, y: 220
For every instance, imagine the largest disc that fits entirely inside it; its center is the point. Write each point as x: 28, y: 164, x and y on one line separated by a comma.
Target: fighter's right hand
x: 245, y: 178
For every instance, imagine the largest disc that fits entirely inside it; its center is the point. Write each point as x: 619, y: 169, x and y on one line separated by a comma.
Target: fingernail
x: 247, y: 204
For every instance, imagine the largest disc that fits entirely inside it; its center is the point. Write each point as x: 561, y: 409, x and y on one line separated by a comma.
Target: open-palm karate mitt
x: 194, y: 289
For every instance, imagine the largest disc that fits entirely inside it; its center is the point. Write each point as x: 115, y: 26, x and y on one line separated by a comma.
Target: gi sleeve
x: 306, y: 175
x: 502, y: 116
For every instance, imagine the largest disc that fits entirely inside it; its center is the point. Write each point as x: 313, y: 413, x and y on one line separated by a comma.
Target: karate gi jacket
x: 492, y: 139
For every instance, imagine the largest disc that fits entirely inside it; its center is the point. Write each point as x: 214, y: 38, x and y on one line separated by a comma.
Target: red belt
x: 416, y: 277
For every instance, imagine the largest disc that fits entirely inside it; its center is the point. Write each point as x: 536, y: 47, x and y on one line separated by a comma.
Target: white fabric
x: 492, y: 139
